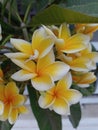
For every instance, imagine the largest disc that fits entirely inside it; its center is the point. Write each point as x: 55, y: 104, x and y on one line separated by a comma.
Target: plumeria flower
x: 40, y: 46
x: 83, y: 79
x: 87, y: 29
x: 0, y: 33
x: 11, y: 103
x: 1, y: 76
x: 60, y: 96
x: 88, y: 53
x: 43, y: 73
x: 78, y: 63
x: 67, y: 43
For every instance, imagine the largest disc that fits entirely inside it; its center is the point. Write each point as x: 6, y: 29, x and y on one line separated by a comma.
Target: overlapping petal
x: 13, y: 116
x: 43, y: 82
x: 61, y: 107
x: 23, y: 75
x: 83, y: 79
x: 21, y: 45
x: 68, y: 43
x: 57, y: 70
x: 46, y: 101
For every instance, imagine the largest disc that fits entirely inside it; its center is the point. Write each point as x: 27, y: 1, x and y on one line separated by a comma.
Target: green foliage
x: 79, y: 2
x: 75, y: 115
x: 5, y: 125
x: 58, y: 15
x: 91, y: 9
x: 47, y: 120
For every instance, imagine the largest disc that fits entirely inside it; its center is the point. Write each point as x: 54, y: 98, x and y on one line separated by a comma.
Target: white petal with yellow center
x: 42, y: 83
x: 23, y: 75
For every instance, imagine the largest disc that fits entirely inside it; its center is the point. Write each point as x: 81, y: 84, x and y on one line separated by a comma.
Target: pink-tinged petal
x: 18, y: 100
x: 45, y: 46
x: 23, y: 75
x: 21, y: 45
x: 42, y: 83
x: 1, y: 107
x: 61, y: 107
x: 13, y: 116
x: 22, y: 110
x: 72, y: 96
x: 17, y: 55
x: 45, y: 101
x: 45, y: 61
x: 26, y: 65
x: 64, y: 32
x: 66, y: 82
x: 76, y: 43
x: 38, y: 36
x: 11, y: 90
x: 57, y: 70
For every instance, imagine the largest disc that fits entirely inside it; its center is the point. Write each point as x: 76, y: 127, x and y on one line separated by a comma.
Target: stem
x: 25, y: 32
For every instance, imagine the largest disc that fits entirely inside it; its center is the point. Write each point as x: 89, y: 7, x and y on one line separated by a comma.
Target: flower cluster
x: 11, y: 102
x: 54, y: 61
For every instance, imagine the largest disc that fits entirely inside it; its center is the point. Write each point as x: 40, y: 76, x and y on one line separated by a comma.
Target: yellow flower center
x: 9, y: 100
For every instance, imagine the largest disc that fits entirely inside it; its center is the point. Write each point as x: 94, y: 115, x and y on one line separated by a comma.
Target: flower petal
x: 22, y: 110
x: 93, y: 56
x: 73, y: 96
x: 64, y: 32
x: 21, y: 45
x: 16, y: 55
x: 1, y: 107
x: 65, y: 82
x: 26, y: 65
x: 18, y: 100
x: 85, y: 78
x: 45, y: 46
x: 13, y: 116
x: 11, y: 89
x: 76, y: 43
x: 38, y: 36
x: 7, y: 110
x: 45, y: 61
x: 23, y: 75
x: 1, y: 73
x: 61, y: 107
x: 1, y: 92
x: 57, y: 70
x: 42, y: 83
x: 45, y: 101
x: 81, y: 64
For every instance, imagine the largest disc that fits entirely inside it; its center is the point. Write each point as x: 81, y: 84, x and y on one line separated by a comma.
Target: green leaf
x: 5, y: 125
x: 47, y: 120
x: 90, y: 9
x: 57, y: 15
x: 79, y: 2
x: 75, y: 115
x: 8, y: 29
